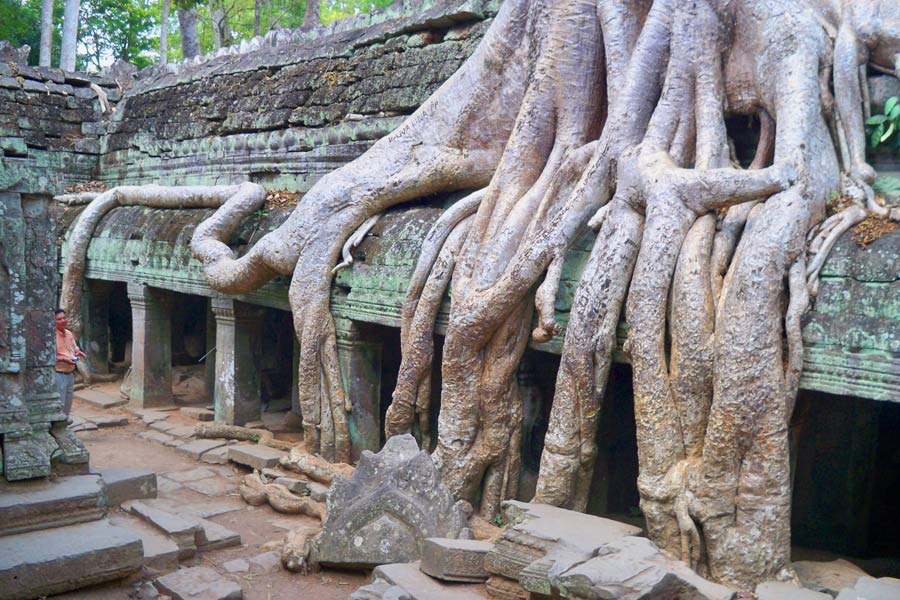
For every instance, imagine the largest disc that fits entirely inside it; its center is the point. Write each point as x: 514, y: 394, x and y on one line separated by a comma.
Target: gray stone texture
x: 419, y: 586
x: 52, y: 561
x: 780, y: 590
x: 196, y: 448
x: 160, y: 553
x: 255, y: 457
x: 455, y: 560
x: 32, y: 505
x: 200, y: 414
x: 828, y: 577
x: 385, y: 511
x: 182, y: 531
x: 237, y: 385
x: 198, y: 583
x: 100, y: 399
x: 128, y: 483
x: 217, y: 456
x: 151, y: 325
x: 869, y: 588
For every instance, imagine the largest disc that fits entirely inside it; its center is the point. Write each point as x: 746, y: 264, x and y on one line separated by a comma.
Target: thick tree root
x: 256, y: 492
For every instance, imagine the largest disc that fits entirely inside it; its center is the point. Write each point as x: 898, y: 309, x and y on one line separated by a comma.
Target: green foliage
x: 884, y: 129
x: 116, y: 29
x: 332, y: 10
x: 21, y: 24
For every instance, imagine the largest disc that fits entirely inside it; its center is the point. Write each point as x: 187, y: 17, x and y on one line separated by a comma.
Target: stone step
x: 182, y: 531
x: 255, y: 457
x: 100, y: 399
x: 40, y: 563
x: 127, y: 483
x: 34, y: 505
x: 160, y: 553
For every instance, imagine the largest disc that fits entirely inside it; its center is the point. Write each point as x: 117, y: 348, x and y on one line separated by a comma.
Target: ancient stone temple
x: 148, y: 202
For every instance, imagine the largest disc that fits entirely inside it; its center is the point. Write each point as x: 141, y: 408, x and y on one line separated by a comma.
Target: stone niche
x: 33, y: 437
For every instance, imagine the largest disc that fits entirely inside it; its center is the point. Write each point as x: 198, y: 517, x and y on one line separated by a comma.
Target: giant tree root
x: 256, y: 492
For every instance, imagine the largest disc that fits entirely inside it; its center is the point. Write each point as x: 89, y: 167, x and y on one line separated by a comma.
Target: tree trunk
x: 46, y: 32
x: 221, y: 36
x: 190, y: 40
x: 257, y: 16
x: 69, y: 35
x: 164, y: 32
x: 311, y: 16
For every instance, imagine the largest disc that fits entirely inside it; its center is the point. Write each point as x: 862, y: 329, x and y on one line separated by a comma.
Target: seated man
x: 67, y: 354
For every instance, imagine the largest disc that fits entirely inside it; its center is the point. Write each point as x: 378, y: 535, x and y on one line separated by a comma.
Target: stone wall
x: 51, y: 124
x: 285, y: 114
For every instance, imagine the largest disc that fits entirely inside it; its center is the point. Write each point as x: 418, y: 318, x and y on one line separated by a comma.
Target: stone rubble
x: 198, y: 583
x: 455, y: 560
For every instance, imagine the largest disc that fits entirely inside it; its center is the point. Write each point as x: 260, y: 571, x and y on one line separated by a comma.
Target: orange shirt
x: 65, y: 351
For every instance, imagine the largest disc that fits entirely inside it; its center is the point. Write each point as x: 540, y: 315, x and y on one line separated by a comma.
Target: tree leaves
x: 883, y: 128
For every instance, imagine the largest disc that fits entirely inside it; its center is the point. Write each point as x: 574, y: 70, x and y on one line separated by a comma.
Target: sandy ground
x: 258, y: 526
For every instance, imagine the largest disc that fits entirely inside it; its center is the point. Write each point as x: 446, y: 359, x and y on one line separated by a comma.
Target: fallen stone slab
x: 455, y: 560
x: 779, y: 590
x: 104, y: 421
x: 85, y: 426
x: 190, y: 474
x: 630, y: 568
x: 317, y: 491
x: 198, y: 583
x: 211, y: 508
x: 196, y: 448
x: 160, y: 553
x: 151, y: 417
x: 128, y: 483
x: 52, y: 561
x: 183, y: 531
x: 100, y: 399
x: 828, y: 577
x: 200, y: 414
x: 420, y: 586
x: 155, y: 436
x: 213, y: 486
x: 298, y: 486
x: 173, y: 442
x: 212, y: 536
x: 267, y: 562
x: 379, y: 589
x: 181, y: 431
x: 869, y: 588
x: 162, y: 425
x: 238, y: 565
x: 216, y: 456
x: 39, y: 504
x: 255, y: 457
x: 164, y: 485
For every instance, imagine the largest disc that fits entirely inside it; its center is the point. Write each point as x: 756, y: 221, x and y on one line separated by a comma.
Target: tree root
x: 256, y: 492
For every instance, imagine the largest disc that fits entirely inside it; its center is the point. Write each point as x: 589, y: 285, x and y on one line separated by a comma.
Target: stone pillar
x: 95, y: 316
x: 151, y: 355
x: 295, y: 379
x: 210, y: 359
x: 360, y: 362
x: 238, y: 339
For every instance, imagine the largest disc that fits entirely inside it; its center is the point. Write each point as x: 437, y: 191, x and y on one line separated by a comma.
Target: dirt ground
x: 258, y: 526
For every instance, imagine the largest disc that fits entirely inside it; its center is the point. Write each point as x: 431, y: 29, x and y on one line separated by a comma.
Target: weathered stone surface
x: 198, y: 583
x: 212, y: 486
x: 455, y: 560
x: 255, y: 457
x: 419, y: 586
x: 501, y: 588
x: 190, y: 475
x: 317, y: 491
x: 212, y: 536
x: 181, y: 431
x: 56, y: 560
x: 298, y: 486
x: 779, y: 590
x: 828, y: 577
x: 162, y: 425
x: 160, y: 553
x: 196, y: 448
x: 103, y: 421
x: 182, y: 531
x: 31, y: 505
x: 155, y: 436
x: 537, y: 529
x: 127, y: 483
x: 267, y: 562
x: 200, y: 414
x: 238, y: 565
x: 377, y: 590
x: 100, y: 399
x: 216, y: 456
x: 632, y: 568
x: 869, y: 588
x: 385, y: 511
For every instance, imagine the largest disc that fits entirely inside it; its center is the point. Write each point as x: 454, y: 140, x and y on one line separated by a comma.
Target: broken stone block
x: 181, y: 431
x: 200, y: 414
x: 317, y: 491
x: 212, y: 536
x: 217, y: 456
x: 455, y: 560
x: 372, y: 591
x: 100, y: 399
x: 155, y: 436
x: 182, y: 531
x: 52, y: 561
x: 419, y: 586
x: 385, y: 511
x: 536, y: 529
x: 255, y: 457
x: 198, y: 583
x: 780, y: 590
x: 238, y: 565
x: 110, y: 421
x: 29, y: 505
x: 629, y: 568
x: 869, y: 588
x: 267, y: 562
x: 151, y: 417
x: 160, y: 553
x: 190, y: 475
x: 162, y: 426
x: 828, y: 577
x: 298, y: 486
x: 126, y: 483
x: 196, y: 448
x: 501, y: 588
